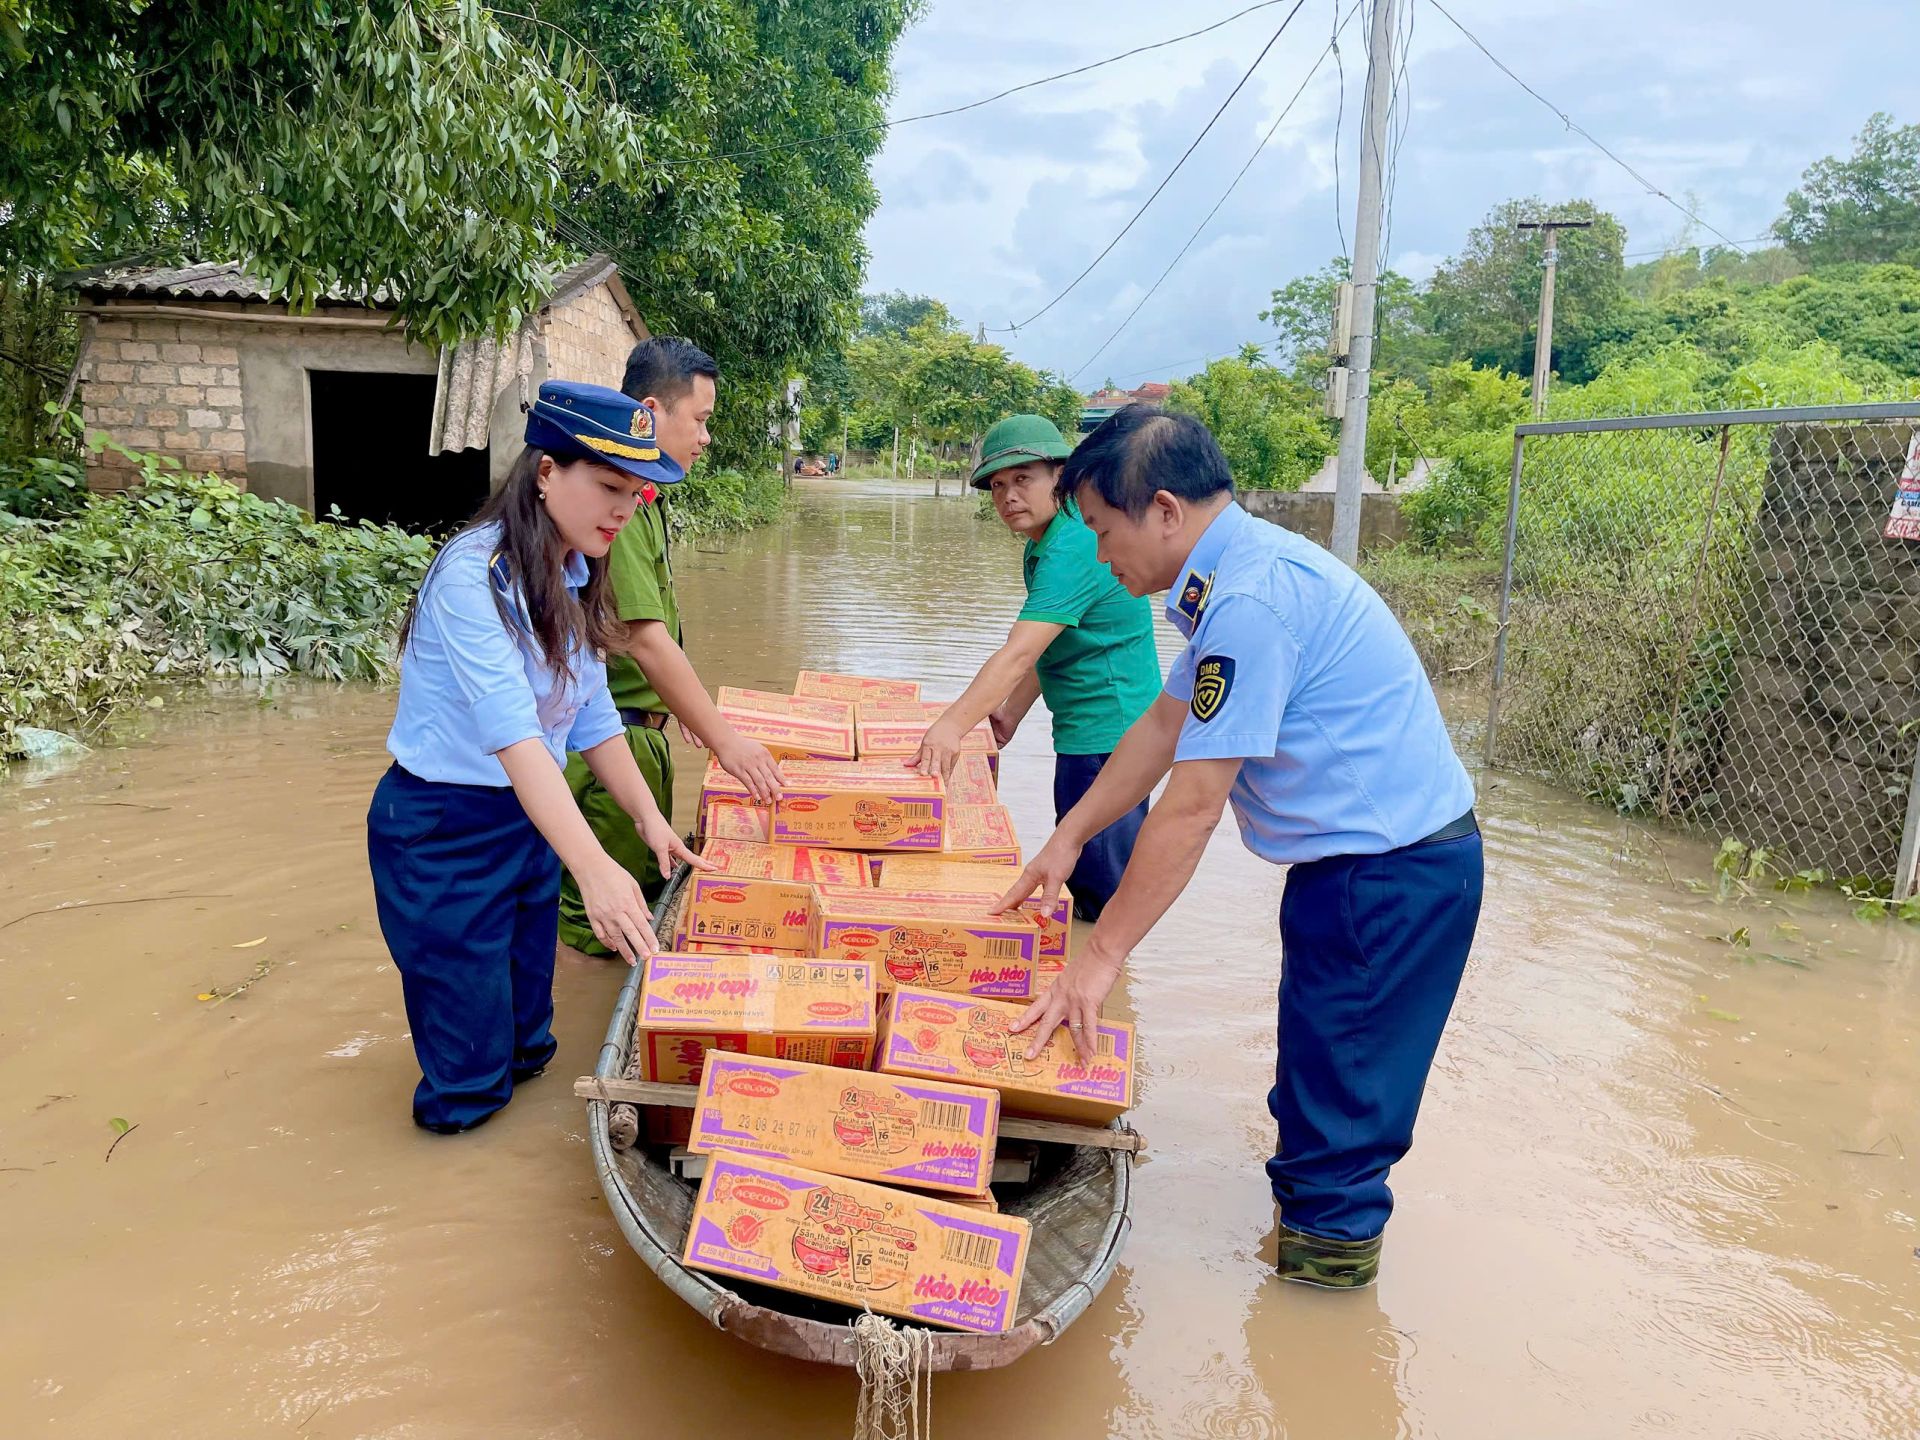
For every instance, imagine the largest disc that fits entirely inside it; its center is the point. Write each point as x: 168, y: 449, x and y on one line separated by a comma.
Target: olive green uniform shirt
x: 1100, y: 673
x: 641, y: 573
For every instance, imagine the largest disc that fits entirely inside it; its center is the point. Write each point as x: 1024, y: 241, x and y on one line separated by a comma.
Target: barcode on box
x: 1003, y: 949
x: 943, y: 1115
x: 964, y: 1248
x: 916, y: 810
x: 1105, y: 1045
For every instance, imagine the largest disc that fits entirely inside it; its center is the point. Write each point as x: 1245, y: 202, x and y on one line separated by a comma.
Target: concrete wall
x: 1381, y: 523
x: 229, y: 396
x: 1827, y: 665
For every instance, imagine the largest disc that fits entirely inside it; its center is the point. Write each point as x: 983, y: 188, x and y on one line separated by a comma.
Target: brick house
x: 335, y: 408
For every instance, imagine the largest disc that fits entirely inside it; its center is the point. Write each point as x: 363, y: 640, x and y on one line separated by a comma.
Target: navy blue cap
x: 603, y: 425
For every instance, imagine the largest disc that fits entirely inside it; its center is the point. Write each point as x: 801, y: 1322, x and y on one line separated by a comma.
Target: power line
x: 1233, y: 185
x: 1682, y: 249
x: 1272, y: 40
x: 833, y: 135
x: 1339, y: 121
x: 1584, y: 134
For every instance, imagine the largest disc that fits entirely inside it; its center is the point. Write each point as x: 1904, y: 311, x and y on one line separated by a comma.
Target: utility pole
x: 1366, y: 279
x: 1543, y: 336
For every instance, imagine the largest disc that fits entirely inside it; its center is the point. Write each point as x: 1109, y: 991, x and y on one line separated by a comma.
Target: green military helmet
x: 1015, y: 440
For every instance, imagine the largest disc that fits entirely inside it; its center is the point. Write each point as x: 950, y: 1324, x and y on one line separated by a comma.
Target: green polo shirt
x: 642, y: 577
x: 1100, y: 673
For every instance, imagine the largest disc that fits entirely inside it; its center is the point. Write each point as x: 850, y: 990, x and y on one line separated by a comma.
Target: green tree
x: 1268, y: 424
x: 759, y: 119
x: 1302, y: 312
x: 1872, y: 311
x: 895, y: 313
x: 1863, y: 208
x: 1485, y: 301
x: 406, y: 145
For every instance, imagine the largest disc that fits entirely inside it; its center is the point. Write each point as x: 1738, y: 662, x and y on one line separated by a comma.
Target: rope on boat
x: 895, y: 1366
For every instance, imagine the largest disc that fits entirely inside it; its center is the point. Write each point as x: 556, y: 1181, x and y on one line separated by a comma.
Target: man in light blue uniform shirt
x: 1300, y: 700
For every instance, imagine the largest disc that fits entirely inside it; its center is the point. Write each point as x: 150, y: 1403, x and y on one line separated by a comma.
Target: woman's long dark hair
x: 535, y: 559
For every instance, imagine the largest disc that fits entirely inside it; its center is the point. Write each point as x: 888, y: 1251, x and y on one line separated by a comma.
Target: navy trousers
x: 1373, y: 947
x: 1104, y: 860
x: 468, y: 894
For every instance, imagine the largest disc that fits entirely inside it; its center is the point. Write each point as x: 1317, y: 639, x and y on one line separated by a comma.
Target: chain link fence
x: 1702, y: 622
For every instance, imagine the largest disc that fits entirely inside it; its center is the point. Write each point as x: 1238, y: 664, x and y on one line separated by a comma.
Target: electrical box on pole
x: 1340, y: 337
x: 1337, y: 392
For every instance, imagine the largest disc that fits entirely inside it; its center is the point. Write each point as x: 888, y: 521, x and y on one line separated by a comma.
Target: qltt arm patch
x: 1212, y: 683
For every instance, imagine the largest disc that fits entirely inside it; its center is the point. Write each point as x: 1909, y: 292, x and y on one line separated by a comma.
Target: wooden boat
x: 1077, y: 1202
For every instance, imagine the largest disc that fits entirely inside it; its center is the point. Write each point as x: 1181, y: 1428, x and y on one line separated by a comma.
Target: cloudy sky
x: 1721, y: 103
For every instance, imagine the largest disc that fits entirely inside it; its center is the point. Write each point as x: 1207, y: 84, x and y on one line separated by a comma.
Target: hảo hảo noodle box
x: 859, y: 805
x: 944, y: 941
x: 972, y: 781
x: 983, y: 834
x: 924, y: 1133
x: 791, y: 726
x: 891, y: 728
x: 967, y: 1040
x: 781, y: 1007
x: 863, y: 1245
x: 945, y: 873
x: 826, y: 685
x: 763, y: 894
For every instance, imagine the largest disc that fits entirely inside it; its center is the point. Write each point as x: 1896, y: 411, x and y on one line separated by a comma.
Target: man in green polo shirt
x: 652, y: 678
x: 1081, y: 640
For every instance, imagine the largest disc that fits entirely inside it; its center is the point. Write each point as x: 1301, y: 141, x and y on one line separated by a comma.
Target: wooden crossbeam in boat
x: 685, y: 1097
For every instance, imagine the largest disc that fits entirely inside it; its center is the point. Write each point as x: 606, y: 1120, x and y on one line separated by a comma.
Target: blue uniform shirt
x: 470, y: 687
x: 1297, y: 669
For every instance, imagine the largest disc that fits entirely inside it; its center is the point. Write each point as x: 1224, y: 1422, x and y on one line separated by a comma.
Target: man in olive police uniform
x: 1300, y: 700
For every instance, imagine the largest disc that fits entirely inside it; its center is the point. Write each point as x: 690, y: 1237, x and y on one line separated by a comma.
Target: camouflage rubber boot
x: 1329, y: 1264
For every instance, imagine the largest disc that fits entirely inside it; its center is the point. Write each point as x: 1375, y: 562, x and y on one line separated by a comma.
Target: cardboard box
x: 923, y: 1133
x: 890, y: 728
x: 825, y: 685
x: 937, y: 1036
x: 972, y: 781
x: 727, y: 821
x: 860, y: 807
x: 983, y: 834
x: 860, y: 1244
x: 921, y: 937
x: 718, y: 788
x: 944, y: 872
x: 782, y: 1007
x: 763, y: 895
x: 714, y: 947
x: 791, y: 726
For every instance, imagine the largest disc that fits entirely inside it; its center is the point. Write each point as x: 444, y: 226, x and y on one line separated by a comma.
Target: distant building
x: 335, y: 407
x: 1102, y: 404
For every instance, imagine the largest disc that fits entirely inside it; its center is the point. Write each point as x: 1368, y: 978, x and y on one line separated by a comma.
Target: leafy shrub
x: 717, y: 502
x: 182, y: 576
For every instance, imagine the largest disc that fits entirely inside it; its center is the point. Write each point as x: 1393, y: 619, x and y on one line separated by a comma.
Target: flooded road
x: 1664, y: 1183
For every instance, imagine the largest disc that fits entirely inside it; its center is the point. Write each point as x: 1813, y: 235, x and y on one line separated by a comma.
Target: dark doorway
x: 370, y: 456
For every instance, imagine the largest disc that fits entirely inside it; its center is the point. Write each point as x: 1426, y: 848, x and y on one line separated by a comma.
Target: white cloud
x: 997, y: 209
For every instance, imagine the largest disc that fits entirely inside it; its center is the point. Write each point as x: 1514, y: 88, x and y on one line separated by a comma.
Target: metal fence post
x: 1903, y: 875
x: 1506, y: 597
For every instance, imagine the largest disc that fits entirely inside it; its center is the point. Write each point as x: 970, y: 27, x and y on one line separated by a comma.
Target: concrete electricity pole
x: 1366, y: 278
x: 1543, y: 336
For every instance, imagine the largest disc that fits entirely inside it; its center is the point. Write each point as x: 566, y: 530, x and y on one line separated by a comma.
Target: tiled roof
x: 218, y: 280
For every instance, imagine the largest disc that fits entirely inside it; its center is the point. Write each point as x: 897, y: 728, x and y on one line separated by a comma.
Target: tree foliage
x: 1864, y: 208
x: 759, y: 119
x: 1267, y: 422
x: 1485, y: 302
x: 413, y: 146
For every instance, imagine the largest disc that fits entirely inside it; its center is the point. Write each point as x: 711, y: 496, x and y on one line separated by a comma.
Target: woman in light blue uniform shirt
x: 502, y: 673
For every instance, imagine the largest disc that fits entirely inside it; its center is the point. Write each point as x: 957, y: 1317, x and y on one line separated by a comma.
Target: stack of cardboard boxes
x: 848, y: 928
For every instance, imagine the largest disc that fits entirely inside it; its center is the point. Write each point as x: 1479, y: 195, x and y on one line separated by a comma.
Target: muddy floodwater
x: 1664, y: 1181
